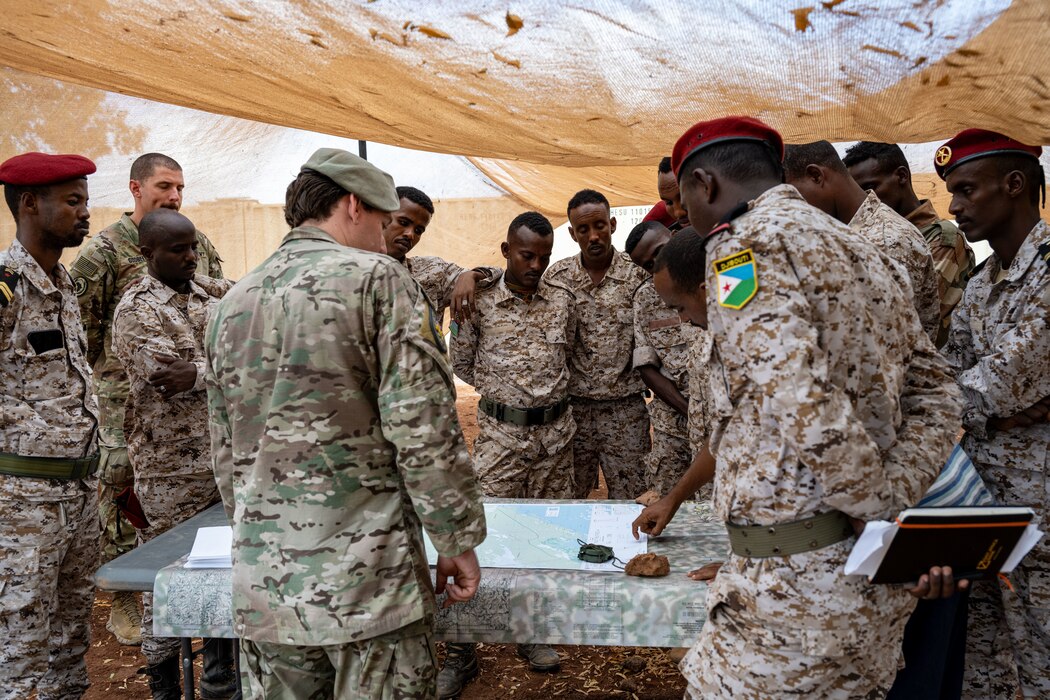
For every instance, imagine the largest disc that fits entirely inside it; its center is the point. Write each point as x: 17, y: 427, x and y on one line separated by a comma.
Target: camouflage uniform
x: 700, y: 412
x: 105, y: 266
x: 49, y: 540
x: 612, y: 425
x: 827, y: 396
x: 438, y: 277
x: 167, y: 438
x: 334, y: 437
x: 998, y: 347
x: 663, y: 340
x: 952, y: 258
x: 893, y: 235
x: 516, y: 352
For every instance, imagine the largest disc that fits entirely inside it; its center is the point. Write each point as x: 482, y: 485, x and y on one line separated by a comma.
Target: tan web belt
x: 783, y: 539
x: 524, y: 416
x: 48, y: 467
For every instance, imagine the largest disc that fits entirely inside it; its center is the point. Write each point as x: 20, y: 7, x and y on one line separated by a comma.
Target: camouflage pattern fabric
x: 830, y: 350
x: 952, y: 258
x: 332, y: 408
x: 668, y: 458
x: 107, y: 264
x: 50, y: 532
x: 998, y: 348
x: 438, y: 278
x: 614, y: 434
x: 516, y: 352
x: 893, y: 235
x: 701, y: 415
x: 400, y: 664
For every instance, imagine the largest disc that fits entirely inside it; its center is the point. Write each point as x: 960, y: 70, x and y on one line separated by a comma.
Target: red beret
x: 44, y: 169
x: 704, y: 134
x: 660, y: 214
x: 978, y: 143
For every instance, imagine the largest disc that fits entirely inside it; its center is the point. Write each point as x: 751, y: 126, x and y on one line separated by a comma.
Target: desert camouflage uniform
x: 49, y: 538
x: 998, y: 347
x: 701, y: 414
x: 612, y: 425
x: 828, y: 396
x: 167, y: 438
x: 516, y: 352
x: 106, y: 265
x: 952, y: 258
x: 663, y: 340
x: 893, y: 235
x: 334, y: 437
x: 437, y: 278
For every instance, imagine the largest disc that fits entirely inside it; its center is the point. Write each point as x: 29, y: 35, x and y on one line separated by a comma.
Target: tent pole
x: 362, y: 148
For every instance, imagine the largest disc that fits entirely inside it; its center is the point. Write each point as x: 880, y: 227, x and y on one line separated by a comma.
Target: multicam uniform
x: 334, y: 434
x: 998, y: 348
x: 952, y: 258
x: 106, y: 265
x: 49, y: 538
x: 893, y: 235
x: 515, y: 352
x: 827, y: 397
x: 612, y: 425
x: 167, y: 438
x: 663, y: 340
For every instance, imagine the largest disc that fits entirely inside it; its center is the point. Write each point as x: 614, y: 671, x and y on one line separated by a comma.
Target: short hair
x: 889, y: 156
x: 737, y: 160
x: 665, y: 165
x: 416, y: 197
x: 798, y: 155
x: 638, y: 233
x: 684, y: 257
x: 1031, y: 168
x: 145, y: 165
x: 13, y: 195
x: 587, y: 197
x: 311, y: 195
x: 158, y: 221
x: 533, y: 221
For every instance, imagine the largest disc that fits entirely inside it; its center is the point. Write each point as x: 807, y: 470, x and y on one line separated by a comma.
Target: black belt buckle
x: 535, y: 416
x: 85, y: 467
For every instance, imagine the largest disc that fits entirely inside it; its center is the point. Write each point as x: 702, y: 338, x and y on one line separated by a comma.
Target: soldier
x: 515, y: 352
x: 662, y: 342
x: 334, y: 436
x: 48, y: 436
x: 446, y: 284
x: 667, y: 187
x: 883, y: 169
x: 998, y: 347
x: 612, y: 425
x: 833, y: 408
x: 816, y: 171
x: 158, y: 337
x: 107, y: 265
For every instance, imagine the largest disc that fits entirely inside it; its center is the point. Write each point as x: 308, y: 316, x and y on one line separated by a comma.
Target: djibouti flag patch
x: 737, y: 279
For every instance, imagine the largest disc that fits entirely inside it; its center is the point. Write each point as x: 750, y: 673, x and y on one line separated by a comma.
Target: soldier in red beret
x: 998, y: 346
x: 667, y: 186
x: 48, y: 435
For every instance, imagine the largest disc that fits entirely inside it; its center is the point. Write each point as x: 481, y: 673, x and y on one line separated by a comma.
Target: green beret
x: 355, y: 175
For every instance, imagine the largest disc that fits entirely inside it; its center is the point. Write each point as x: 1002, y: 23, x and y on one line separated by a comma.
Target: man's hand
x: 463, y: 308
x: 707, y: 572
x: 653, y: 519
x: 465, y: 573
x: 175, y: 377
x: 939, y: 583
x: 1038, y: 412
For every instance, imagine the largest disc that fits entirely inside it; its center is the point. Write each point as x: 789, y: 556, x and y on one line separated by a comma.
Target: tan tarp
x: 576, y: 87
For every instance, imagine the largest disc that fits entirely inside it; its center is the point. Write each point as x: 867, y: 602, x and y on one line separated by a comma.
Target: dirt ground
x: 586, y: 672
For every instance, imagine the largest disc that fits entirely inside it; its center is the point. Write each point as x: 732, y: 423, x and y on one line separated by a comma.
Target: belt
x: 783, y: 539
x: 524, y: 416
x: 48, y: 467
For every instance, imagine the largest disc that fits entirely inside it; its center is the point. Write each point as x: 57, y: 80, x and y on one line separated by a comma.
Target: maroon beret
x: 44, y: 169
x: 972, y: 144
x: 660, y: 214
x: 703, y: 134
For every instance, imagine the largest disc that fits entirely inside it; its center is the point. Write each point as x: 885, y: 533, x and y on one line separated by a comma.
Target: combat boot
x: 461, y: 666
x: 125, y: 618
x: 219, y: 677
x: 540, y: 657
x: 164, y: 681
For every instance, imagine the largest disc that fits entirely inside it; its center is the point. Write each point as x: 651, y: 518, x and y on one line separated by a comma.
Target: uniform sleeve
x: 953, y: 260
x: 464, y: 350
x: 219, y: 424
x: 418, y: 413
x: 138, y: 337
x: 213, y: 263
x: 94, y: 280
x: 644, y: 351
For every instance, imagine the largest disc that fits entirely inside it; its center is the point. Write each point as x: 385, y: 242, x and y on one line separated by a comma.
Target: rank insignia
x: 736, y: 277
x: 1044, y: 253
x: 8, y: 282
x: 431, y: 330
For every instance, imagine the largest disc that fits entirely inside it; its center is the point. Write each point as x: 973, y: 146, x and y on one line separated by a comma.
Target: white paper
x: 871, y: 547
x: 212, y: 548
x: 1032, y: 534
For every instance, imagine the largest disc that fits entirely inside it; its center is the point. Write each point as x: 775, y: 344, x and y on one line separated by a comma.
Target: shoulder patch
x: 8, y: 281
x: 79, y: 285
x: 430, y: 329
x: 85, y: 267
x: 737, y: 278
x: 1044, y: 253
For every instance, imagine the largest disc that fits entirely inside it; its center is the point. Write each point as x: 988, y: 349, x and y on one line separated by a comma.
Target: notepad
x: 212, y: 548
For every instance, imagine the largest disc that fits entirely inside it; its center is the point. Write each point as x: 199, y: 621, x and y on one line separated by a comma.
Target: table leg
x: 187, y: 668
x: 239, y: 695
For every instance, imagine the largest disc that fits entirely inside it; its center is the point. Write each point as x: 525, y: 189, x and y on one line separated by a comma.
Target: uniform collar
x: 308, y: 233
x: 1026, y: 254
x: 31, y: 271
x: 866, y: 210
x: 924, y: 215
x: 618, y: 268
x: 504, y: 294
x: 164, y: 294
x: 128, y: 227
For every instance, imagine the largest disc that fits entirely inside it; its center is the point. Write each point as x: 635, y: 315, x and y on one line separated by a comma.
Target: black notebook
x: 975, y: 542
